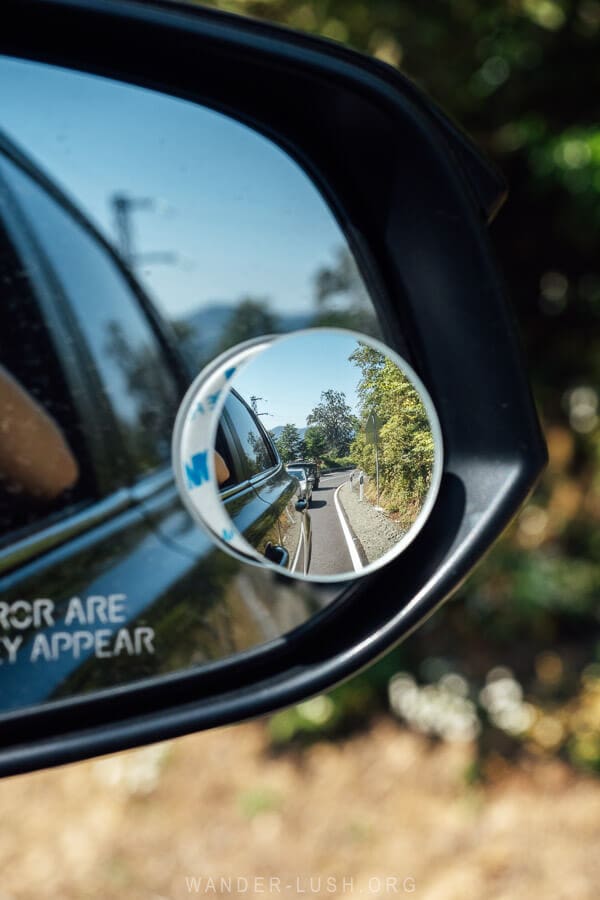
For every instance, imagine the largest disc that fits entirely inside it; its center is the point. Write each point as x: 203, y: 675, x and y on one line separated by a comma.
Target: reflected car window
x: 257, y: 455
x: 126, y: 351
x: 43, y: 465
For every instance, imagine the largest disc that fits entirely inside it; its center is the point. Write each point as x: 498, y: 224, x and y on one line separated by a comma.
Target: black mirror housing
x: 413, y: 197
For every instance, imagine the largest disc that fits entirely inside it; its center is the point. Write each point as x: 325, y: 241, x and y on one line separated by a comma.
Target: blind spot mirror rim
x: 203, y: 501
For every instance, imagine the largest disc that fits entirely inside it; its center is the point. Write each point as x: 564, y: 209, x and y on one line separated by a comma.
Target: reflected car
x: 305, y: 480
x: 264, y: 500
x: 312, y: 468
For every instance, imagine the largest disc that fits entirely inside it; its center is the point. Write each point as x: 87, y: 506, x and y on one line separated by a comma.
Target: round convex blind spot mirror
x: 317, y: 453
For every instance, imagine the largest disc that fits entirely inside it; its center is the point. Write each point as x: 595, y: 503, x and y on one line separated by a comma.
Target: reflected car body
x: 262, y: 499
x: 305, y: 480
x: 87, y: 343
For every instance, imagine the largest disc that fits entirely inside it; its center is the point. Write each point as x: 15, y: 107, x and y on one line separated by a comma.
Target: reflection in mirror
x: 325, y: 456
x: 140, y: 236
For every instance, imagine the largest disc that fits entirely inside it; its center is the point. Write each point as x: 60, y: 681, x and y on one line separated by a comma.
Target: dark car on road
x: 312, y: 469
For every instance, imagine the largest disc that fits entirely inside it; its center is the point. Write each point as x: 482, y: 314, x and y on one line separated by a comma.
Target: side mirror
x: 126, y: 616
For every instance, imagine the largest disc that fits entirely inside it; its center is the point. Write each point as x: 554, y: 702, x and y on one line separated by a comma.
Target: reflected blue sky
x: 241, y: 217
x: 291, y: 374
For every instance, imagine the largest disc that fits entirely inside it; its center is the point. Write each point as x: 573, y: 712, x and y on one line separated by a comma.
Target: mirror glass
x: 141, y: 237
x: 317, y: 454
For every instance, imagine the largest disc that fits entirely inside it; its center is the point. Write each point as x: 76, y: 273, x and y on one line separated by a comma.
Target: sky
x: 291, y: 374
x: 240, y: 215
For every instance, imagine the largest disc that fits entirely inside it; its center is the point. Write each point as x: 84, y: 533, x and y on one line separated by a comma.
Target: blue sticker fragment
x: 211, y: 402
x: 230, y: 372
x: 228, y: 534
x: 197, y: 470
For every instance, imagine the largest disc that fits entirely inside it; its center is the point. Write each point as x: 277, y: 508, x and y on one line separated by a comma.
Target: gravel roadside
x: 376, y: 532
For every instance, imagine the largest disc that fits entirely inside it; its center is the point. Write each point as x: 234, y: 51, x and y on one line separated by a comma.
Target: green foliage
x: 259, y: 800
x: 405, y: 441
x: 344, y: 709
x: 334, y: 418
x: 338, y: 462
x: 289, y: 443
x: 315, y: 443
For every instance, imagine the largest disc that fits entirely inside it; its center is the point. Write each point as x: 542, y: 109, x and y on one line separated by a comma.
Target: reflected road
x: 330, y: 554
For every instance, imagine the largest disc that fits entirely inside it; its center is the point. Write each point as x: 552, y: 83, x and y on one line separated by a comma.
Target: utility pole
x: 123, y: 206
x: 254, y: 404
x: 372, y: 431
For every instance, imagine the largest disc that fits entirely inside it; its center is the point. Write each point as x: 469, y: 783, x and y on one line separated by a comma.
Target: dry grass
x: 367, y: 813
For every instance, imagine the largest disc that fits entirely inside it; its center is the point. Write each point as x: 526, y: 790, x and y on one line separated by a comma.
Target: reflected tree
x: 289, y: 443
x: 405, y: 439
x: 336, y: 421
x: 252, y: 318
x: 153, y: 399
x: 315, y: 443
x: 341, y: 297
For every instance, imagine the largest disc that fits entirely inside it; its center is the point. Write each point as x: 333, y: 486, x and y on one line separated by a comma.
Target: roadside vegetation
x: 401, y: 435
x: 327, y: 439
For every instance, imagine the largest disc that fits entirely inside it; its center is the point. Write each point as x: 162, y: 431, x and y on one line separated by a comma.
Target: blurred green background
x: 514, y: 659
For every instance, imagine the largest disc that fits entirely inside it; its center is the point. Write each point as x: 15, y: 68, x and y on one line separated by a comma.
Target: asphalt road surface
x: 330, y: 554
